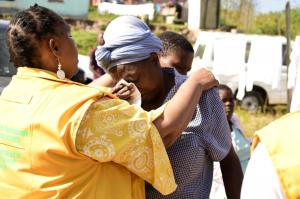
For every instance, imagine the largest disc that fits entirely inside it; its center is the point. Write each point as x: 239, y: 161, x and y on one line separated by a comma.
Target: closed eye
x: 134, y: 81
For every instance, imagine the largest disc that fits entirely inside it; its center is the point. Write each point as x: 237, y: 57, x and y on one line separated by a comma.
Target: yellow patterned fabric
x: 114, y: 131
x: 42, y: 119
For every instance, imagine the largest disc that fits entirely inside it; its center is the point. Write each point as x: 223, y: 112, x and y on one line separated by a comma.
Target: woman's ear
x: 54, y: 47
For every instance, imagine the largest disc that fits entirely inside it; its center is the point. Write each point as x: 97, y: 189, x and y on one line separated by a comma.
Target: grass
x: 252, y: 122
x: 94, y: 15
x: 86, y: 41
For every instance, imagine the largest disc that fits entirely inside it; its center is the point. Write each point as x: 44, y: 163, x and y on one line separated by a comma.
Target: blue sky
x: 274, y: 5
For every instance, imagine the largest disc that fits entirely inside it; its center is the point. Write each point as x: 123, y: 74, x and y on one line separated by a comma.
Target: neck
x: 166, y: 83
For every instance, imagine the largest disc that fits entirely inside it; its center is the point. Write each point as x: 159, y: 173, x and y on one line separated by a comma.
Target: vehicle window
x: 200, y: 51
x: 6, y: 67
x: 248, y: 47
x: 284, y: 54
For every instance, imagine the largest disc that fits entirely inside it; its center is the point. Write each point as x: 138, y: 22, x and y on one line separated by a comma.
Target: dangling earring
x: 60, y: 73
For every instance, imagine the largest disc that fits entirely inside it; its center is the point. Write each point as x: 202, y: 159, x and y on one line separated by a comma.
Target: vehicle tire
x: 252, y: 102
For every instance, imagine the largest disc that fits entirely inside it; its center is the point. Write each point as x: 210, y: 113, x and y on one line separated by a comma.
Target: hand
x: 205, y: 78
x: 123, y: 91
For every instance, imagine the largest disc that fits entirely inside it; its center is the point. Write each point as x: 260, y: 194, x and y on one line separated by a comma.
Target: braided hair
x: 27, y: 29
x: 173, y: 41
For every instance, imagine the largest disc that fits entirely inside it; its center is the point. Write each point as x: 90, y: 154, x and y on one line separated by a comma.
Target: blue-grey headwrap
x: 127, y: 39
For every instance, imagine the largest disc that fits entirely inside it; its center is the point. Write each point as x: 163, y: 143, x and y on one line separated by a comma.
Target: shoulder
x: 178, y: 78
x: 261, y: 172
x: 178, y: 81
x: 282, y: 128
x: 211, y: 99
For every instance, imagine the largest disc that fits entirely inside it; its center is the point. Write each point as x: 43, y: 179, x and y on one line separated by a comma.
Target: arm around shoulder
x: 180, y: 109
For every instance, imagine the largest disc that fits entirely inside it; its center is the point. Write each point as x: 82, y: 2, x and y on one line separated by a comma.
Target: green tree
x: 241, y: 14
x: 237, y: 13
x: 273, y: 23
x: 295, y: 26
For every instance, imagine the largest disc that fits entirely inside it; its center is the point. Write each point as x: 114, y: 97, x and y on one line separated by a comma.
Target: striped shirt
x: 206, y: 139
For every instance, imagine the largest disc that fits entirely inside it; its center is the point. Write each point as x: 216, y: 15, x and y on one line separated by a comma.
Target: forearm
x: 179, y: 111
x: 232, y: 175
x: 104, y: 80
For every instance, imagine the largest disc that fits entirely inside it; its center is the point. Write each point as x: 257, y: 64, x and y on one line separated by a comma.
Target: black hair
x: 173, y: 41
x: 25, y: 32
x: 225, y: 87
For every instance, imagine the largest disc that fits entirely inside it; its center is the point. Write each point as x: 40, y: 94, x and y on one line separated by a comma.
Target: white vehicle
x: 251, y: 65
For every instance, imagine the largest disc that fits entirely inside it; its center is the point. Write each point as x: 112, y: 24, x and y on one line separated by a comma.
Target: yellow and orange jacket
x: 40, y: 116
x: 281, y: 139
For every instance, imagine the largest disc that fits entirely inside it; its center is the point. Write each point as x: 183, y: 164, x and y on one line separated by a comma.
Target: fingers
x: 123, y: 91
x: 124, y: 95
x: 121, y: 86
x: 210, y: 83
x: 206, y: 78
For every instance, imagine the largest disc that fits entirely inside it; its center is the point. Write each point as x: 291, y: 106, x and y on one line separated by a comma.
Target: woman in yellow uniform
x: 61, y: 139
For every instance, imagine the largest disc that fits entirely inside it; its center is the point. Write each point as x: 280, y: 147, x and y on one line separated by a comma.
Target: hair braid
x: 26, y: 30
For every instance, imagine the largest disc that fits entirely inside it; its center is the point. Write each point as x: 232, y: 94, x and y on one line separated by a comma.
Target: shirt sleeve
x: 217, y: 137
x: 113, y: 130
x: 260, y: 180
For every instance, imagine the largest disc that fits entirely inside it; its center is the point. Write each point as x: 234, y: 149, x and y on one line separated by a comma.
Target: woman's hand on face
x: 123, y: 91
x: 205, y: 78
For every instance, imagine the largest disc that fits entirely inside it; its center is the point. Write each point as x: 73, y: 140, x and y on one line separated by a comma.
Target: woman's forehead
x: 133, y: 69
x: 121, y: 71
